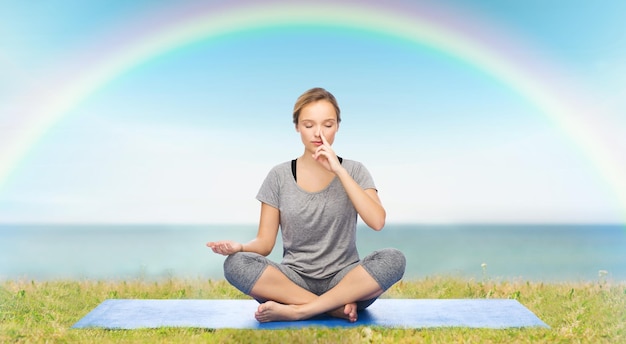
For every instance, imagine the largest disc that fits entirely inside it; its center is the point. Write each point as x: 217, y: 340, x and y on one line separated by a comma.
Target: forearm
x: 264, y: 241
x: 258, y: 246
x: 369, y: 208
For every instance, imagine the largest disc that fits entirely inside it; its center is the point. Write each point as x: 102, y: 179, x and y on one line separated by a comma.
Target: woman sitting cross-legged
x: 314, y: 200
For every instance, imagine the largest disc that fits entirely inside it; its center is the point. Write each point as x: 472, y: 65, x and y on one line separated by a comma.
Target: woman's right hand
x: 225, y: 247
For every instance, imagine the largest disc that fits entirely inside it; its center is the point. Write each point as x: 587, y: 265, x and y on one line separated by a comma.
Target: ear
x: 297, y: 129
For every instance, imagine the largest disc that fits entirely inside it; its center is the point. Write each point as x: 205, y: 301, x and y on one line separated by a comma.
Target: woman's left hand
x: 326, y: 156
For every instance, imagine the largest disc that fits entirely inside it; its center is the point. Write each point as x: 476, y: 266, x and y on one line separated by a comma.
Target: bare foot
x: 273, y: 311
x: 347, y: 312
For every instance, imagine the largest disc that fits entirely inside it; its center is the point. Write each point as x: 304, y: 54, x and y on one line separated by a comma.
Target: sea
x: 520, y: 252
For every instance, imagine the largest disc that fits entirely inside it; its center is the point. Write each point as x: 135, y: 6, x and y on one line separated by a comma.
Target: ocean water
x: 550, y: 253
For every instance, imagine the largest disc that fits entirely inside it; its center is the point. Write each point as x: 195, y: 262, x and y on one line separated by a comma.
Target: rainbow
x: 414, y: 28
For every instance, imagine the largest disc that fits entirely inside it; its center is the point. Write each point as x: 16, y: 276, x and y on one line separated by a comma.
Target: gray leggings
x: 386, y: 266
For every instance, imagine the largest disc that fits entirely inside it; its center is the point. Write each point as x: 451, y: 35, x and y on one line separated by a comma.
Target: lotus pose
x: 314, y: 200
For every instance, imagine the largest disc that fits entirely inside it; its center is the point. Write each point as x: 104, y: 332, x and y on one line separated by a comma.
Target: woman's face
x: 317, y: 118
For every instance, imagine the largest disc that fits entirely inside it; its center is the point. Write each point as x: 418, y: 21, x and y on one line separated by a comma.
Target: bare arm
x: 366, y: 202
x: 264, y: 241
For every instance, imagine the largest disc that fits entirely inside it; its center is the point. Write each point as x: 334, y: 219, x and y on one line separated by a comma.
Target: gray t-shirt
x: 318, y: 228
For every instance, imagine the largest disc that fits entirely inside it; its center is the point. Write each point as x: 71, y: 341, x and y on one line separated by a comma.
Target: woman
x: 314, y: 200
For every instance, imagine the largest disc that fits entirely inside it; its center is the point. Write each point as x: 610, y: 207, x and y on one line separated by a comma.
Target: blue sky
x: 189, y: 136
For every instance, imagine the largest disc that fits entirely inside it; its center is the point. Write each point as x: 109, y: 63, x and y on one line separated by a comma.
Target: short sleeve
x: 362, y: 176
x: 270, y: 189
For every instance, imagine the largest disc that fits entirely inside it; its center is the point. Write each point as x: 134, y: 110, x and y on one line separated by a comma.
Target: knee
x: 230, y: 264
x: 387, y: 266
x: 395, y: 259
x: 234, y: 265
x: 242, y: 269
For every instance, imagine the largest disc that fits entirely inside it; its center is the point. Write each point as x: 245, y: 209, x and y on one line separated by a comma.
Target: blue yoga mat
x: 401, y: 313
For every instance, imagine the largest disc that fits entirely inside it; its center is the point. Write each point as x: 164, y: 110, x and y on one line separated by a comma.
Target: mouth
x: 318, y: 143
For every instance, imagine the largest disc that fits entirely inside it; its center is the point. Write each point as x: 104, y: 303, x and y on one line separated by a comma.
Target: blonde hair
x: 311, y: 96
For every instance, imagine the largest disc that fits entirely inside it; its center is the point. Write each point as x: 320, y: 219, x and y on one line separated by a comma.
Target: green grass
x: 32, y: 311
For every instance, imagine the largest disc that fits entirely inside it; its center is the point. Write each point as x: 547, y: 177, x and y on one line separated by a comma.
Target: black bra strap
x: 293, y: 167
